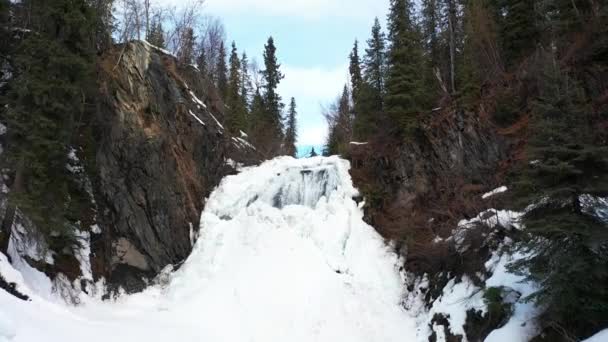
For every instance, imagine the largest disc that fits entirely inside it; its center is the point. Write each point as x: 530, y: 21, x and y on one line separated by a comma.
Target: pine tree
x: 405, y: 88
x: 291, y: 134
x: 237, y: 117
x: 222, y: 70
x: 46, y: 111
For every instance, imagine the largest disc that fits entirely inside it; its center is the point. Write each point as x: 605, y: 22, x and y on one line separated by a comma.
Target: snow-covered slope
x: 283, y: 255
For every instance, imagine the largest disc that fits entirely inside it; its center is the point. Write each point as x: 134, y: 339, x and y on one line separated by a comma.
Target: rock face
x: 413, y: 188
x: 160, y: 151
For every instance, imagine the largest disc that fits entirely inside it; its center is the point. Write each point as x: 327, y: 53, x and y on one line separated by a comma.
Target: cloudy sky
x: 313, y: 38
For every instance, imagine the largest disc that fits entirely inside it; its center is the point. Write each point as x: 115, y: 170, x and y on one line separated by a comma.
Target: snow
x: 197, y: 118
x: 196, y: 99
x: 158, y: 49
x: 520, y: 327
x: 456, y: 299
x: 234, y: 164
x: 95, y: 229
x: 283, y: 255
x: 358, y: 143
x: 217, y: 122
x: 595, y: 206
x: 602, y: 336
x: 494, y: 192
x: 2, y: 129
x: 83, y: 255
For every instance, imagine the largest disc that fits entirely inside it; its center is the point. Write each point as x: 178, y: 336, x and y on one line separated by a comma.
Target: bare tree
x: 212, y: 36
x: 181, y: 19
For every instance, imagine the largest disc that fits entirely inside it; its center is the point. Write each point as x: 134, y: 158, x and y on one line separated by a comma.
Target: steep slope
x: 160, y: 152
x: 145, y: 160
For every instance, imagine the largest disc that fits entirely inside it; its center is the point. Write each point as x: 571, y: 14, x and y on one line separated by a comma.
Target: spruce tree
x: 356, y: 77
x: 291, y: 134
x: 156, y: 36
x: 270, y: 132
x: 201, y: 62
x: 369, y: 100
x: 222, y: 71
x: 404, y: 85
x: 567, y: 238
x: 46, y: 110
x: 375, y: 65
x: 185, y: 54
x: 237, y: 112
x: 431, y: 11
x: 245, y: 81
x: 518, y: 31
x: 340, y: 126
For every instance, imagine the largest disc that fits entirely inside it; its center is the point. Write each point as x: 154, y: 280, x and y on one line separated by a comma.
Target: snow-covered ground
x: 283, y: 255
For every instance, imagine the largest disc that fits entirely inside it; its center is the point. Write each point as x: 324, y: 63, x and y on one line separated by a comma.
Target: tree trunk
x: 451, y: 24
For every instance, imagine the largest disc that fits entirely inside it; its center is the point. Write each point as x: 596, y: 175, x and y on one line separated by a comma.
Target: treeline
x: 539, y: 68
x: 253, y: 106
x: 50, y: 50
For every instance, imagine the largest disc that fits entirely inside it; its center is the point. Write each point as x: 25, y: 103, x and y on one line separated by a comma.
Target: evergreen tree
x: 356, y: 77
x: 291, y: 134
x: 369, y: 99
x: 222, y: 70
x: 245, y: 80
x: 185, y: 53
x: 340, y: 126
x: 237, y: 117
x: 568, y: 239
x: 201, y: 62
x: 518, y: 31
x: 405, y: 88
x: 156, y: 36
x: 375, y: 65
x: 431, y: 11
x: 47, y: 110
x: 256, y: 117
x: 270, y: 131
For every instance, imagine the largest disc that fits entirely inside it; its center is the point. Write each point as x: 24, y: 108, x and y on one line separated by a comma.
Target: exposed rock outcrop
x: 416, y: 190
x: 160, y: 151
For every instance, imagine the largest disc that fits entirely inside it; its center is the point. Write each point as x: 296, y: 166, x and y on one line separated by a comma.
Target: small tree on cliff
x: 237, y: 112
x: 268, y: 133
x: 291, y: 132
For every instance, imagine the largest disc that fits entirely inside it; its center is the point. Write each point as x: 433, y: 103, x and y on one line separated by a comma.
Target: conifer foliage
x: 46, y: 107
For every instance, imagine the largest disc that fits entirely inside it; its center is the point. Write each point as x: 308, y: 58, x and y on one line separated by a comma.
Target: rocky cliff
x: 161, y: 149
x: 155, y: 149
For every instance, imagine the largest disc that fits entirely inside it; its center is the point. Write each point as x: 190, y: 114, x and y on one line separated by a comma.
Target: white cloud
x: 312, y: 88
x: 313, y: 83
x: 302, y: 8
